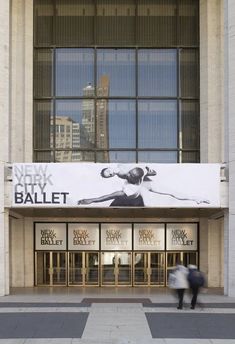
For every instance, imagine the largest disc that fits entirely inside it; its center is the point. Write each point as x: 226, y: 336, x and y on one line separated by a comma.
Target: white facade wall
x: 4, y: 146
x: 203, y: 244
x: 22, y: 253
x: 4, y: 77
x: 4, y: 238
x: 215, y: 260
x: 212, y: 126
x: 229, y: 95
x: 211, y: 81
x: 21, y: 81
x: 211, y: 251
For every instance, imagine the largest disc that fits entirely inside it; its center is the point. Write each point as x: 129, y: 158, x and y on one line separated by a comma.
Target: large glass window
x: 116, y: 81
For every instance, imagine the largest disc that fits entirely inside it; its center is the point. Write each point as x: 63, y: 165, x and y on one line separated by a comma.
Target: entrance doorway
x: 116, y: 268
x: 95, y: 268
x: 83, y: 268
x: 149, y: 269
x: 51, y: 268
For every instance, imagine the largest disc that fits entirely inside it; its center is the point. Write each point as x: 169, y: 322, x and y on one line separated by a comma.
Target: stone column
x: 229, y: 50
x: 215, y: 249
x: 4, y: 146
x: 4, y: 77
x: 211, y: 81
x: 211, y: 251
x: 21, y: 81
x: 203, y: 245
x: 4, y: 238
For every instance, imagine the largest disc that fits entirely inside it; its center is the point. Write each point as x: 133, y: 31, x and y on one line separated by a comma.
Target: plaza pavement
x: 114, y: 316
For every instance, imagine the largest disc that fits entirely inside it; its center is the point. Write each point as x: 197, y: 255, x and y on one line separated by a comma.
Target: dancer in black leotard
x: 130, y: 195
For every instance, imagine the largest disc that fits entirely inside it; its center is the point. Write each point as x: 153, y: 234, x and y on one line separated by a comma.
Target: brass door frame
x: 87, y: 268
x: 49, y: 272
x: 160, y: 268
x: 51, y: 268
x: 69, y: 269
x: 84, y: 269
x: 147, y: 269
x: 116, y: 269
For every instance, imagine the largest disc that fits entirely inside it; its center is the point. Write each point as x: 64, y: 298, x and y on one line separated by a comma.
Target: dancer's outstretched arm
x: 101, y: 198
x: 180, y: 198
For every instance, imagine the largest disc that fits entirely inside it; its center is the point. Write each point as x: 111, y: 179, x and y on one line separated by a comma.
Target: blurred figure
x: 179, y: 282
x: 196, y: 280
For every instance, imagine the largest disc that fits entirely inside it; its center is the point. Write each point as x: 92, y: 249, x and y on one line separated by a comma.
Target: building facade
x: 90, y: 85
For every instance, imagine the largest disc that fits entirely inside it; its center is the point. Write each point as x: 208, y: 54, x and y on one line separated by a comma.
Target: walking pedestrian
x: 196, y: 280
x: 179, y: 282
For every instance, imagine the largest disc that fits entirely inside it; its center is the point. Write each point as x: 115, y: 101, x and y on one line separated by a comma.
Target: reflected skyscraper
x: 69, y: 134
x: 88, y: 116
x: 102, y: 128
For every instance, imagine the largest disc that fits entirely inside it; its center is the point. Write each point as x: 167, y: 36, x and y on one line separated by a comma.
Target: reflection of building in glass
x: 69, y: 134
x: 102, y: 117
x: 88, y: 116
x: 76, y: 141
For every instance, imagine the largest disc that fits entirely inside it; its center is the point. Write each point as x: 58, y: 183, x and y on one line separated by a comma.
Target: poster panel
x: 83, y: 236
x: 116, y: 237
x: 182, y: 237
x: 116, y: 185
x: 149, y: 236
x: 50, y: 236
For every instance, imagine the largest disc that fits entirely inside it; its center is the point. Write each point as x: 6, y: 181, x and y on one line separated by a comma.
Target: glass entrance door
x: 51, y: 268
x: 157, y: 268
x: 185, y: 257
x: 83, y: 268
x: 116, y: 268
x: 75, y: 268
x: 149, y: 268
x: 91, y: 264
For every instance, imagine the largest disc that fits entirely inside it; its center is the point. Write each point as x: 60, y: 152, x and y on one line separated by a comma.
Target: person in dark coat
x: 196, y: 281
